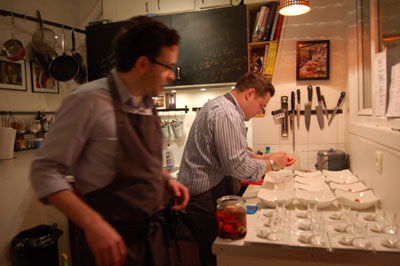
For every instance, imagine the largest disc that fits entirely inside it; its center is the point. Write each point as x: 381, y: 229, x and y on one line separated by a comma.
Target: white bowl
x: 341, y: 173
x: 357, y: 200
x: 269, y: 196
x: 349, y: 179
x: 312, y: 187
x: 278, y: 176
x: 354, y: 187
x: 324, y: 198
x: 309, y: 180
x: 308, y: 174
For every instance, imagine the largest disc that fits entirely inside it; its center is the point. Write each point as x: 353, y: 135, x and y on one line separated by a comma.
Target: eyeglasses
x: 164, y: 65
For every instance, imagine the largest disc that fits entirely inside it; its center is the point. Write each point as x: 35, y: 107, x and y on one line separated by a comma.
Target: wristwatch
x: 274, y: 166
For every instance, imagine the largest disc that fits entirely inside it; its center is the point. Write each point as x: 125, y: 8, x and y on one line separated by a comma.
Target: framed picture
x: 41, y: 82
x: 170, y: 100
x: 312, y: 60
x: 12, y: 74
x: 159, y: 101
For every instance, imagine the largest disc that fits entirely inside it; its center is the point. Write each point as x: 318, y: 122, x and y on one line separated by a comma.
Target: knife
x: 318, y: 109
x: 307, y: 107
x: 298, y: 109
x: 325, y: 110
x: 337, y: 106
x: 284, y: 106
x: 293, y: 103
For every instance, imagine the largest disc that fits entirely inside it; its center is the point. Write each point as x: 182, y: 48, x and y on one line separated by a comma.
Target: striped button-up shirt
x: 217, y: 147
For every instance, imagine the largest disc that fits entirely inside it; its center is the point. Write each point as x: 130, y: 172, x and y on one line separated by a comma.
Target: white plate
x: 278, y: 176
x: 269, y: 196
x: 313, y: 187
x: 341, y: 173
x: 357, y: 200
x: 309, y: 180
x: 342, y: 180
x: 354, y: 187
x: 308, y: 174
x: 324, y: 198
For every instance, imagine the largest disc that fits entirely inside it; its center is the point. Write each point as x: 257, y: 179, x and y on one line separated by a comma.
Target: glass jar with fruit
x: 231, y: 217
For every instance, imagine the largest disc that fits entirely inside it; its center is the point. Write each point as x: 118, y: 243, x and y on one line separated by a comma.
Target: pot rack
x: 22, y: 16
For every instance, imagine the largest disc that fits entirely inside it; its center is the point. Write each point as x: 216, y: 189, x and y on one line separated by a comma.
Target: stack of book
x: 268, y: 24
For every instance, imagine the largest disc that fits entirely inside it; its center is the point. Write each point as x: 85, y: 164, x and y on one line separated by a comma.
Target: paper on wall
x: 394, y: 93
x: 380, y: 83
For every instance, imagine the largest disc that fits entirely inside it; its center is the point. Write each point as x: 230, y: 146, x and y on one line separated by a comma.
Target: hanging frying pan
x: 43, y: 39
x: 13, y: 48
x: 64, y: 67
x: 80, y: 77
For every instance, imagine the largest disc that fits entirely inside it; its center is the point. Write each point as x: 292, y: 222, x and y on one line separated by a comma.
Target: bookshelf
x: 264, y: 28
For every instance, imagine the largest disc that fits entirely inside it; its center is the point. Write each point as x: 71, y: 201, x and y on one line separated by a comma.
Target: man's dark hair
x: 259, y: 82
x: 141, y: 36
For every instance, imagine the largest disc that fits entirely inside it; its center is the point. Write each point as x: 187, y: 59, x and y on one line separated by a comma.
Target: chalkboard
x: 213, y: 47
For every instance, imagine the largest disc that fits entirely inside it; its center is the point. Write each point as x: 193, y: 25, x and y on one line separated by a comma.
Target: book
x: 271, y: 38
x: 279, y: 25
x: 255, y: 26
x: 264, y: 23
x: 270, y: 64
x: 270, y: 21
x: 258, y: 26
x: 265, y: 57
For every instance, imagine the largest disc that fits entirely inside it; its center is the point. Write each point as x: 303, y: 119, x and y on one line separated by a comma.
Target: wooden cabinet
x: 171, y: 6
x: 213, y: 3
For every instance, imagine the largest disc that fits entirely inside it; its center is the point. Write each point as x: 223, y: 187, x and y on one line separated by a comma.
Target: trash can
x: 36, y: 246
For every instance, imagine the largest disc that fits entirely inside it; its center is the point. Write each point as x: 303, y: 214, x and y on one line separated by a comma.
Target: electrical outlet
x: 378, y: 161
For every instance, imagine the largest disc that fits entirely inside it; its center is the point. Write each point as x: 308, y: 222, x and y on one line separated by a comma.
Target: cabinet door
x: 213, y: 3
x: 213, y: 47
x: 126, y: 9
x: 171, y: 6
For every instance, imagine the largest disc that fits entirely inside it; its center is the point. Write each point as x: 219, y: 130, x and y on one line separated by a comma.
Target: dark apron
x: 202, y: 210
x: 132, y: 202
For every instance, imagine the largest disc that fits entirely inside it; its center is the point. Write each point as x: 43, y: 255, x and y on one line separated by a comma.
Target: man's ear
x: 142, y: 64
x: 249, y: 93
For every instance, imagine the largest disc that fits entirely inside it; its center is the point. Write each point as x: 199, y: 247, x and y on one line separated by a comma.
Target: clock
x: 236, y: 2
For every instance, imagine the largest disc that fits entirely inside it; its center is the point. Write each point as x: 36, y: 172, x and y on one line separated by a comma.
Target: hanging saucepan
x: 64, y: 67
x: 13, y: 48
x: 44, y: 60
x: 80, y: 77
x: 43, y: 39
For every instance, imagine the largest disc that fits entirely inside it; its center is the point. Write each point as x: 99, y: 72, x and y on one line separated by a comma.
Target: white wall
x: 325, y: 21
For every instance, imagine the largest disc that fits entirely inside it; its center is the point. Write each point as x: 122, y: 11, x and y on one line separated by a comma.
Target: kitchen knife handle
x: 323, y: 100
x: 298, y: 96
x: 309, y: 90
x: 341, y: 98
x: 318, y: 93
x: 292, y: 101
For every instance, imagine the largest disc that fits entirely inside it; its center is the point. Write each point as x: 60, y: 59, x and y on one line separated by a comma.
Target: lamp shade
x: 294, y: 7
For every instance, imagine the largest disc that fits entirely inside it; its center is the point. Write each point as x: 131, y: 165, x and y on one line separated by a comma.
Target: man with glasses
x: 216, y: 157
x: 107, y: 133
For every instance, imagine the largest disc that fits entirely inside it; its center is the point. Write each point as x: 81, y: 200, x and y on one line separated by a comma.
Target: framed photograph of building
x: 312, y: 60
x: 12, y: 74
x: 42, y: 82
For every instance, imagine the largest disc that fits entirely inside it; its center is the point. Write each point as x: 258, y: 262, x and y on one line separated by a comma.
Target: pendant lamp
x: 294, y: 7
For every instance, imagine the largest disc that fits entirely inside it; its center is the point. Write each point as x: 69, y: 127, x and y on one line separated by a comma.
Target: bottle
x: 267, y: 149
x: 169, y: 157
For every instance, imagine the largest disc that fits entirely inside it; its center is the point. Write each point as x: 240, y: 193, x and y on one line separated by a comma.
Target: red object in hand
x: 290, y: 161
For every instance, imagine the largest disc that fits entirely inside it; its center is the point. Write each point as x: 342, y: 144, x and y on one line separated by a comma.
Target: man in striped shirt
x: 216, y: 157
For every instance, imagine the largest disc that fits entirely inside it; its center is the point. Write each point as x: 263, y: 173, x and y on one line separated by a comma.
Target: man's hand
x: 280, y: 158
x: 107, y: 245
x: 179, y: 192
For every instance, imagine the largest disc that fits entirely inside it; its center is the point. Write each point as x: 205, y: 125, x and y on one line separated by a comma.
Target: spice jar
x: 231, y: 217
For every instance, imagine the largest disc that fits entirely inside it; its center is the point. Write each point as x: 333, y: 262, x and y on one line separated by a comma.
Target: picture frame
x: 312, y: 60
x: 159, y: 101
x: 12, y: 74
x: 170, y: 100
x: 41, y: 83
